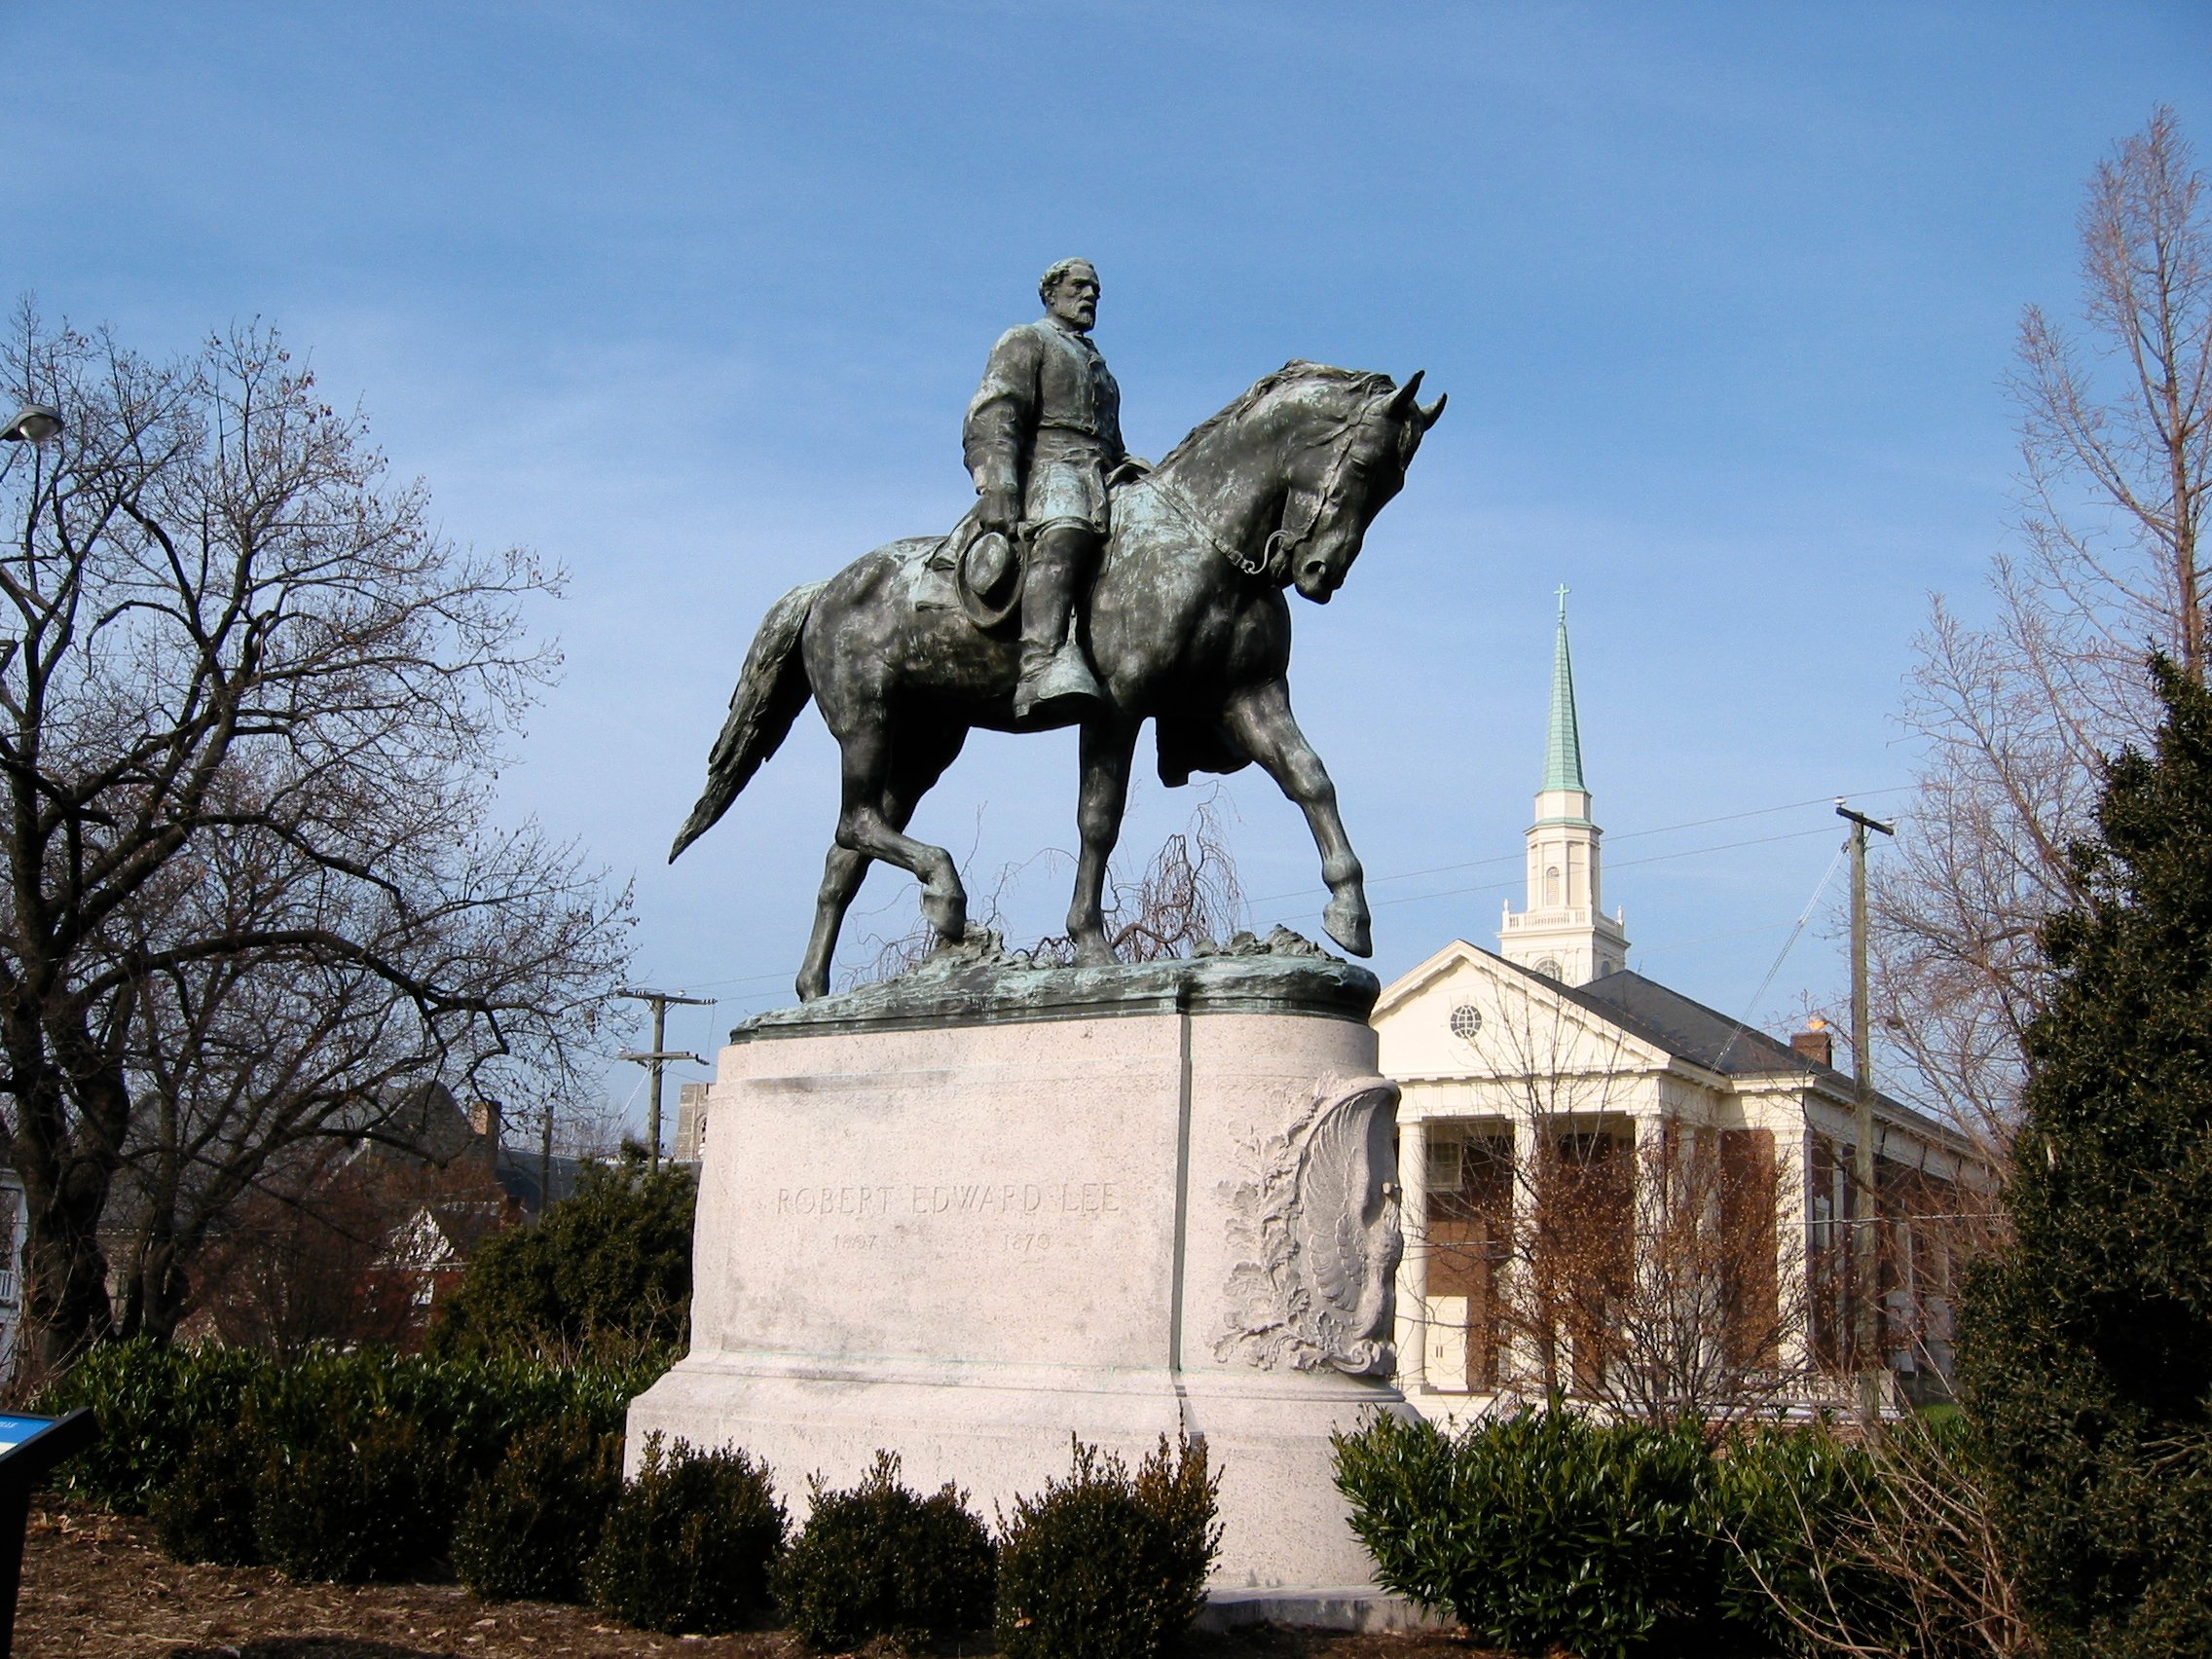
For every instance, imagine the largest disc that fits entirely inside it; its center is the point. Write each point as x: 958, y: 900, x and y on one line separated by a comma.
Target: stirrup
x: 1062, y: 685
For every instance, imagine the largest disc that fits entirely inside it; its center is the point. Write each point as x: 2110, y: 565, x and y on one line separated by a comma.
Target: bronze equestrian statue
x: 1185, y: 623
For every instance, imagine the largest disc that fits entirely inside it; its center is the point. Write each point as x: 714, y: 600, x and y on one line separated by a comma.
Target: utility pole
x: 1865, y: 1232
x: 659, y: 1054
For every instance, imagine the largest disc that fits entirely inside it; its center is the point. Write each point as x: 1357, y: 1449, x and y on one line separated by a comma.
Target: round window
x: 1466, y: 1021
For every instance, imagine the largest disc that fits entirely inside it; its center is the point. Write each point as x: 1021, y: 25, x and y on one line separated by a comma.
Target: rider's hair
x: 1051, y: 277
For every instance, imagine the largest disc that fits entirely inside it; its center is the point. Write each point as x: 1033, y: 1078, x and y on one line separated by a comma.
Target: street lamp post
x: 33, y: 423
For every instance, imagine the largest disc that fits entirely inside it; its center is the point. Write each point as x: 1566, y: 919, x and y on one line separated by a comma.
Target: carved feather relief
x: 1316, y: 1228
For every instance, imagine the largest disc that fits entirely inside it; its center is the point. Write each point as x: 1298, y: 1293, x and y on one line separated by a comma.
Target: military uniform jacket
x: 1046, y: 421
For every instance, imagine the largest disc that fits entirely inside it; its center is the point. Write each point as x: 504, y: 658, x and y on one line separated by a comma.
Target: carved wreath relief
x: 1316, y: 1225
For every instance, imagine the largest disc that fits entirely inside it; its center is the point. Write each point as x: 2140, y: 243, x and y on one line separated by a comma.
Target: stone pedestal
x: 989, y: 1206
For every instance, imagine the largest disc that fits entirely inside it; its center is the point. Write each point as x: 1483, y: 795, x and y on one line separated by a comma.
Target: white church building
x: 1613, y: 1190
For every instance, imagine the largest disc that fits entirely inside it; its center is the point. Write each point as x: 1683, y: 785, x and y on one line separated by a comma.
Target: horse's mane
x: 1293, y: 373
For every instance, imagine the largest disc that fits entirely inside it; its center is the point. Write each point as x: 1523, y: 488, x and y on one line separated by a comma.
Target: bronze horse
x: 1186, y: 623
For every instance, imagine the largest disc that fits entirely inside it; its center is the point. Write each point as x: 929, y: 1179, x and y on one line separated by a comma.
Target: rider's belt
x: 1066, y: 480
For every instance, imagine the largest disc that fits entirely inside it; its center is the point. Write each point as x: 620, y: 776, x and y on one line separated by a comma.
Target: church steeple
x: 1563, y: 737
x: 1562, y: 933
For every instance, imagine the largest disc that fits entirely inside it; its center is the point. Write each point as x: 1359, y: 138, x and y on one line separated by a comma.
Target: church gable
x: 1467, y: 1012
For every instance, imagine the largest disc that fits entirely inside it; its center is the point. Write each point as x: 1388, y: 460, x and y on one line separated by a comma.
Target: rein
x: 1274, y: 560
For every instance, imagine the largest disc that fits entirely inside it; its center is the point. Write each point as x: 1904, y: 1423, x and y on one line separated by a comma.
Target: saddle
x: 978, y: 573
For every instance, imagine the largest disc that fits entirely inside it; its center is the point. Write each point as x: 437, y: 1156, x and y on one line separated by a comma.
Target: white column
x: 1412, y: 1328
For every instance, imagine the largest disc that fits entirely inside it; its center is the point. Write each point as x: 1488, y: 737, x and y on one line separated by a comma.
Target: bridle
x: 1277, y: 554
x: 1279, y: 551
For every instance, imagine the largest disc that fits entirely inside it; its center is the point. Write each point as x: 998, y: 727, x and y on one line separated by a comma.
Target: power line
x: 1614, y: 839
x: 1625, y: 864
x: 1803, y: 916
x: 1828, y: 800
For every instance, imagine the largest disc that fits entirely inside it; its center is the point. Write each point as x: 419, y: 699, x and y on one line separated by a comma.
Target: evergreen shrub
x: 205, y: 1511
x: 1545, y: 1530
x: 336, y: 1466
x: 1792, y: 1508
x: 530, y: 1525
x: 1106, y: 1566
x: 2085, y: 1346
x: 604, y: 1275
x: 153, y: 1404
x: 882, y: 1561
x: 355, y: 1500
x: 689, y: 1543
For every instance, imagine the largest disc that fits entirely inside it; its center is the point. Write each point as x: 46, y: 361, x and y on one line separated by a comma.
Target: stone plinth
x: 987, y: 1207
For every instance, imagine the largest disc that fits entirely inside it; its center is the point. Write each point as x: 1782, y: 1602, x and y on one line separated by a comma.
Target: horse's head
x: 1352, y: 438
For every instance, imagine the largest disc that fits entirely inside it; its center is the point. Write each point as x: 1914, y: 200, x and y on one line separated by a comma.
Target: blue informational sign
x: 15, y: 1430
x: 29, y: 1448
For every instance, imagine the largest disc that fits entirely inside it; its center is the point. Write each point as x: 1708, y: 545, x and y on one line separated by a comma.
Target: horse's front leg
x: 1107, y: 744
x: 1260, y: 720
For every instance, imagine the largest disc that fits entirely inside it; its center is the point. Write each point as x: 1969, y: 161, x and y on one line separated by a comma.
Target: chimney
x: 1816, y: 1043
x: 484, y: 1119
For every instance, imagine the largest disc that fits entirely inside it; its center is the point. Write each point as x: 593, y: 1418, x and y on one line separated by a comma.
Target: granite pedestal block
x: 990, y: 1206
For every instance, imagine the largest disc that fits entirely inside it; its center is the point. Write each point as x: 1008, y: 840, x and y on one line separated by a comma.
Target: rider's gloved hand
x: 999, y: 510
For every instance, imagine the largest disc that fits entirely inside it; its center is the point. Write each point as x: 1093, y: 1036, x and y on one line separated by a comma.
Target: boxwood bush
x: 205, y: 1511
x: 879, y: 1561
x: 1549, y: 1529
x: 345, y: 1465
x: 689, y: 1543
x: 1545, y: 1530
x: 1105, y: 1564
x: 530, y: 1525
x: 153, y: 1404
x: 361, y: 1497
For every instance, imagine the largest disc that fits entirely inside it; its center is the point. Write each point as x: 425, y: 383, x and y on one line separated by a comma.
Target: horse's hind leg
x: 841, y: 874
x: 879, y: 796
x: 919, y: 762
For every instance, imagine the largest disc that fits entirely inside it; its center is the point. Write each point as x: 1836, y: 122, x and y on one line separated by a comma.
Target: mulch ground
x: 96, y: 1587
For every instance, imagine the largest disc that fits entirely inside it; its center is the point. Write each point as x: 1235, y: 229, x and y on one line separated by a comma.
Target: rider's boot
x: 1055, y: 682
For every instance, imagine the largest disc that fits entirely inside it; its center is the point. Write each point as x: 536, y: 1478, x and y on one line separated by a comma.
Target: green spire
x: 1563, y: 737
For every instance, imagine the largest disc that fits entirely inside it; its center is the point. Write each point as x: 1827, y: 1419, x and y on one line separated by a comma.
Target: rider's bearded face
x: 1074, y: 298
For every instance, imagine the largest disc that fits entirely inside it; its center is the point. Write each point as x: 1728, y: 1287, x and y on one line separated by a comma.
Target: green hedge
x: 1550, y: 1530
x: 342, y: 1466
x: 531, y: 1524
x: 153, y: 1405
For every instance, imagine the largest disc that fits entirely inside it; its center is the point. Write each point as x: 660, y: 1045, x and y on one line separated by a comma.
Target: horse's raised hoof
x: 947, y: 912
x: 1345, y: 921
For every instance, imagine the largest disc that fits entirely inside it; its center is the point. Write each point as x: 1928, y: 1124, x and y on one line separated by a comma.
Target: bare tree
x: 1913, y: 1521
x: 300, y: 1261
x: 249, y: 722
x: 1187, y: 899
x: 2019, y: 716
x: 1607, y: 1252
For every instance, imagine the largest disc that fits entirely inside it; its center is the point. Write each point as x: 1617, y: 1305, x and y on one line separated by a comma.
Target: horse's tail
x: 771, y: 690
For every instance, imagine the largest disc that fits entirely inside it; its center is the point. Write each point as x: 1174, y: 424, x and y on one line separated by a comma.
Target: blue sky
x: 690, y: 299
